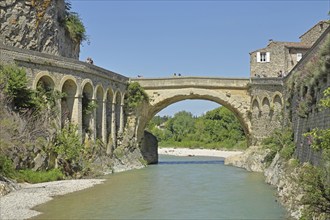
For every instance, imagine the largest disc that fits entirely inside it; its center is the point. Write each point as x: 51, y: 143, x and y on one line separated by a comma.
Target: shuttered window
x: 263, y: 57
x: 299, y: 56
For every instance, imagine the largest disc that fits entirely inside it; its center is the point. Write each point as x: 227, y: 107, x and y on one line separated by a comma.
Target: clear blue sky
x: 194, y: 38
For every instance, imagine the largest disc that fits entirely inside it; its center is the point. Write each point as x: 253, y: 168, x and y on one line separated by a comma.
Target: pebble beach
x: 184, y: 152
x: 18, y: 204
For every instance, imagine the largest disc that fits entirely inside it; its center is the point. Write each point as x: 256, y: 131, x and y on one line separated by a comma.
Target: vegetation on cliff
x: 216, y: 129
x: 316, y: 179
x: 74, y: 25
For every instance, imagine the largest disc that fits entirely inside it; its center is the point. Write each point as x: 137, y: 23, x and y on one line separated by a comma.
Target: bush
x: 31, y: 176
x: 75, y: 27
x: 6, y: 167
x: 67, y: 143
x: 13, y: 82
x: 281, y: 140
x: 316, y: 188
x: 135, y: 95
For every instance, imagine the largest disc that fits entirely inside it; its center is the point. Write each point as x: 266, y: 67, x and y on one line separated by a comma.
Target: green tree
x: 218, y: 128
x: 181, y: 125
x: 13, y: 82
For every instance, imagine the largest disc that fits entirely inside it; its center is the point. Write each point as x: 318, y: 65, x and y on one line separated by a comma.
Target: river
x: 176, y: 188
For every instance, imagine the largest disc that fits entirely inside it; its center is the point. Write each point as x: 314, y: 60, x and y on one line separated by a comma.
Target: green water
x: 177, y: 188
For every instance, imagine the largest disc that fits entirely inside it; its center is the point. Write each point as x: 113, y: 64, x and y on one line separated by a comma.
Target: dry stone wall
x: 36, y: 25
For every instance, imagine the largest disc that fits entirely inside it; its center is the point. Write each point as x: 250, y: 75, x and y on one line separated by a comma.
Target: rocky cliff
x: 136, y: 147
x: 37, y: 25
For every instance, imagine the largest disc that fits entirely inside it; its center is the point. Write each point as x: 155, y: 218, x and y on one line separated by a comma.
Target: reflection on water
x: 176, y: 188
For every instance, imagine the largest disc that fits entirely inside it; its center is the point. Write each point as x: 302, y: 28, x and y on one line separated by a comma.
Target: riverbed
x: 177, y: 188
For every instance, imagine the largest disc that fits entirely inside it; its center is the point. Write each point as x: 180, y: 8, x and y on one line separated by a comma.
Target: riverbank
x: 184, y: 152
x: 18, y: 204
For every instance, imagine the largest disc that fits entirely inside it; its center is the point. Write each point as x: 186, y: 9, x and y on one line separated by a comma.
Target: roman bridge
x: 256, y: 102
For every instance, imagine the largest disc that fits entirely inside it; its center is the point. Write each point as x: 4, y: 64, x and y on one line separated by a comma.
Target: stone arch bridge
x: 256, y: 102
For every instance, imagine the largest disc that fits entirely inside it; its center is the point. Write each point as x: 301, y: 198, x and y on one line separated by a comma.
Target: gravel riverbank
x: 197, y: 152
x: 18, y: 204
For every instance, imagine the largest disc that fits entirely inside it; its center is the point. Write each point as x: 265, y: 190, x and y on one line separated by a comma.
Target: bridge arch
x: 118, y: 110
x: 99, y: 93
x: 109, y: 94
x: 203, y: 94
x: 46, y: 79
x: 277, y: 102
x: 265, y: 105
x: 69, y: 103
x: 88, y: 111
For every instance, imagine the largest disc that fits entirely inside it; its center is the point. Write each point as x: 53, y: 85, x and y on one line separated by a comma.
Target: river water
x: 176, y: 188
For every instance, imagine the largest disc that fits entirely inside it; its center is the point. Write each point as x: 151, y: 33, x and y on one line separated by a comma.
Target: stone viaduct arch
x: 104, y: 121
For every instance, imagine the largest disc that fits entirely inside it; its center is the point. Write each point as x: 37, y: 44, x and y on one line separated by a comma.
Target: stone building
x: 278, y: 58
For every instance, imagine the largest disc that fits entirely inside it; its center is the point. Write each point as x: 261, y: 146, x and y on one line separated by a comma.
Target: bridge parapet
x: 28, y: 57
x: 195, y: 82
x: 267, y: 81
x: 81, y: 82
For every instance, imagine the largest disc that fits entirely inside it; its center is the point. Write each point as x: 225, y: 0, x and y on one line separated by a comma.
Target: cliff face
x: 36, y: 25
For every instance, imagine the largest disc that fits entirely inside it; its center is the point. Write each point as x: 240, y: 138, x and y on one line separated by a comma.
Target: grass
x: 31, y: 176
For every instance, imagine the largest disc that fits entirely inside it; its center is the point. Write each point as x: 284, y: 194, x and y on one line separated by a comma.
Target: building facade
x: 278, y: 58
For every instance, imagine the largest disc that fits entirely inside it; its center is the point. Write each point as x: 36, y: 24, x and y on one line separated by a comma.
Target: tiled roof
x: 296, y: 45
x: 286, y: 44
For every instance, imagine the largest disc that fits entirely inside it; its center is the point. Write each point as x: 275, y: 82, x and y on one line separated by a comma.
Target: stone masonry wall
x: 266, y: 111
x: 291, y: 57
x: 36, y: 25
x: 314, y: 33
x: 272, y: 68
x: 315, y: 117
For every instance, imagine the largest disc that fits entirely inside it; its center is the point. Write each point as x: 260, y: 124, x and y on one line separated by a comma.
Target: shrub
x: 281, y: 140
x: 31, y: 176
x: 67, y: 142
x: 316, y: 188
x: 135, y: 95
x: 75, y: 27
x: 88, y: 105
x: 6, y: 167
x: 13, y: 82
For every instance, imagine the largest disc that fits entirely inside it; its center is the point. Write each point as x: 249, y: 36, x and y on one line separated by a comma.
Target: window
x: 299, y: 56
x: 263, y: 57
